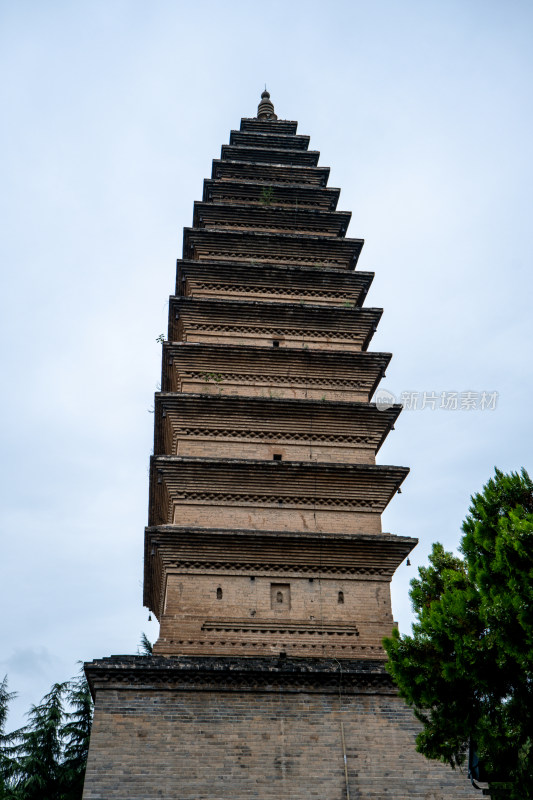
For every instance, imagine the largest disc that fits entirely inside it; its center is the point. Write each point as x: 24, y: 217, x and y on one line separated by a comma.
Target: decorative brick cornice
x: 308, y: 322
x: 278, y: 126
x: 240, y: 289
x: 174, y: 479
x: 273, y: 138
x: 276, y: 281
x: 200, y: 566
x: 204, y: 550
x: 271, y: 436
x: 230, y: 674
x: 254, y: 379
x: 261, y: 155
x: 288, y: 501
x: 270, y: 174
x: 268, y: 420
x: 278, y: 627
x: 283, y: 196
x: 261, y: 330
x: 217, y: 365
x: 270, y: 217
x: 282, y: 248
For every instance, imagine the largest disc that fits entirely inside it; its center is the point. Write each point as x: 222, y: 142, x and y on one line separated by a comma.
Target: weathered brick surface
x: 240, y: 516
x: 301, y: 342
x: 204, y: 745
x: 228, y: 613
x: 268, y: 387
x: 228, y: 427
x: 271, y: 495
x: 207, y: 448
x: 352, y: 560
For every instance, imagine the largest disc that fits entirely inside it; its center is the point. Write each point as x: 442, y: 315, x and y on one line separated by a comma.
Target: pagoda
x: 265, y: 560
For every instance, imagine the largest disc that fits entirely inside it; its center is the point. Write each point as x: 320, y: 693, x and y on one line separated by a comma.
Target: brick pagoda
x: 265, y: 561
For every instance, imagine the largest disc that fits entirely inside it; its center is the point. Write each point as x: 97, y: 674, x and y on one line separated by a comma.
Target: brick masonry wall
x: 220, y: 448
x: 231, y: 291
x: 306, y: 342
x: 228, y: 614
x: 205, y: 745
x: 270, y: 519
x: 266, y: 387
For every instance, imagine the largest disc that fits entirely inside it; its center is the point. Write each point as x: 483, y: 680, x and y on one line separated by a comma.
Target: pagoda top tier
x: 267, y: 120
x: 265, y: 109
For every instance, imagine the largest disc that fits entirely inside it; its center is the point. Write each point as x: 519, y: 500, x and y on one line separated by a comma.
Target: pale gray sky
x: 112, y: 113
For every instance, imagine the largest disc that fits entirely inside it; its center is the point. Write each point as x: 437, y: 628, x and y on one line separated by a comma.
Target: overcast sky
x: 112, y: 112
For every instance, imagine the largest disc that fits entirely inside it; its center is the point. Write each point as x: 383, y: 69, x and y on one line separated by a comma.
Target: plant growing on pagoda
x: 267, y: 195
x: 467, y: 668
x: 214, y: 377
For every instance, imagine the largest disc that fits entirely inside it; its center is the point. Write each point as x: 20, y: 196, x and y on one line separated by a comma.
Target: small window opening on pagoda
x: 219, y: 593
x: 275, y: 342
x: 277, y: 457
x: 340, y: 598
x: 280, y: 597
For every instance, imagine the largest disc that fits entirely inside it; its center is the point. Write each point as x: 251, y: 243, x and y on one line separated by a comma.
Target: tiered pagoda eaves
x: 265, y: 561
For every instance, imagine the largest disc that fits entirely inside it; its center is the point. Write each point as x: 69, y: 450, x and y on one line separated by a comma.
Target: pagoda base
x: 210, y: 728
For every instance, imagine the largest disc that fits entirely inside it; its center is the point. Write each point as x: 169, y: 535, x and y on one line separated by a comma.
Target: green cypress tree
x: 8, y: 765
x: 39, y: 751
x: 76, y: 733
x: 467, y: 668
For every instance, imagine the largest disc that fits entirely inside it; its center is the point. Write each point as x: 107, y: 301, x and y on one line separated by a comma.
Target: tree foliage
x: 7, y: 763
x: 46, y: 759
x: 145, y: 646
x: 467, y: 668
x: 76, y: 734
x: 40, y: 749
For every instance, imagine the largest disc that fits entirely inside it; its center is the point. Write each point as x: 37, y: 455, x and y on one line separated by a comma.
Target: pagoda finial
x: 265, y: 109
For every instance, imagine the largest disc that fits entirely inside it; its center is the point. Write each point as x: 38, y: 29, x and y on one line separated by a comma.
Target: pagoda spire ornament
x: 265, y: 109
